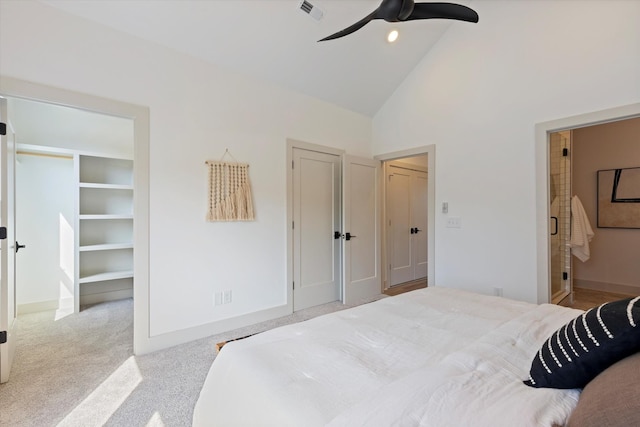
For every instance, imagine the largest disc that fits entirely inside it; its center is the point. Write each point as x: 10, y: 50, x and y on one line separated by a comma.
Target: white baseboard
x: 170, y: 339
x: 106, y: 296
x: 67, y: 303
x: 36, y: 307
x: 615, y: 288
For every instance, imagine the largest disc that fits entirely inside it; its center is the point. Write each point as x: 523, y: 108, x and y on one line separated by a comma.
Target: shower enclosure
x: 560, y: 214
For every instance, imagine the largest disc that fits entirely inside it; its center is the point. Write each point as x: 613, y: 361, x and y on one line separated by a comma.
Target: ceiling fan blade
x: 443, y: 11
x: 353, y: 28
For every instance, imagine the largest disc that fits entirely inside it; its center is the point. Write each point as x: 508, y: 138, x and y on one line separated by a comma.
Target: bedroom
x: 560, y: 62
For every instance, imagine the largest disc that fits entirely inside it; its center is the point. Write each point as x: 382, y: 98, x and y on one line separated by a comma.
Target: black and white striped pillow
x: 587, y: 345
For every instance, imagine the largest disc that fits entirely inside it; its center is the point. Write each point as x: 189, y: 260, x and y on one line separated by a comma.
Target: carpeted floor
x: 80, y: 370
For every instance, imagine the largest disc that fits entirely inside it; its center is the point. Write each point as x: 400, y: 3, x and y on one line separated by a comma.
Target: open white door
x: 361, y: 222
x: 7, y: 245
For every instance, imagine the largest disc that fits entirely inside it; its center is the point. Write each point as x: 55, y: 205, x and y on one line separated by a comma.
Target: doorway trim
x: 11, y: 87
x: 430, y: 151
x: 542, y: 131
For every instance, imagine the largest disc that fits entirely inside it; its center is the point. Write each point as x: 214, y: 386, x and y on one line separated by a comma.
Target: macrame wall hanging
x: 229, y: 191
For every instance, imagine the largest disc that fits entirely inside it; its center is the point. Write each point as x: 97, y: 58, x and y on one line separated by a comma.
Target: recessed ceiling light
x: 392, y: 36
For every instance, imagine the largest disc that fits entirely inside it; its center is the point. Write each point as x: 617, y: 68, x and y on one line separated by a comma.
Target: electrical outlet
x: 454, y: 222
x: 226, y: 297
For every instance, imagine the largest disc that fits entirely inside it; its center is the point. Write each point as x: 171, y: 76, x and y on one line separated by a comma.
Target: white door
x: 7, y: 246
x: 361, y: 219
x: 316, y: 219
x: 419, y: 213
x: 406, y: 224
x: 399, y: 226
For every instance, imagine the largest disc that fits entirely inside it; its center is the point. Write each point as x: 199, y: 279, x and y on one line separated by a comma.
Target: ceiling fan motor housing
x: 395, y: 10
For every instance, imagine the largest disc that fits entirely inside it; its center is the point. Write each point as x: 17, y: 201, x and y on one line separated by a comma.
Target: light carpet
x: 80, y: 370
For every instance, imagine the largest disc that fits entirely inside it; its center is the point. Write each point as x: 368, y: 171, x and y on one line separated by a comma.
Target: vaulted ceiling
x: 275, y: 40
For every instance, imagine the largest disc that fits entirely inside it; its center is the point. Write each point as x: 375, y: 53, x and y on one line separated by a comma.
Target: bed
x: 432, y: 357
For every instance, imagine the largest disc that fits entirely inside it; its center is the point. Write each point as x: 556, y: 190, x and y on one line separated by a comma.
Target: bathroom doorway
x: 576, y: 154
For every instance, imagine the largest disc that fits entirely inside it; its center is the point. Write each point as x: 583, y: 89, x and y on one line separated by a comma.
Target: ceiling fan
x: 408, y: 10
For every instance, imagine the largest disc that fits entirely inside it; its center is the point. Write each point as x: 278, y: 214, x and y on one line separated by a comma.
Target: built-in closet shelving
x: 104, y: 257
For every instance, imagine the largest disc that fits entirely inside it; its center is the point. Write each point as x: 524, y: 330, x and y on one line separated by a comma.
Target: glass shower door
x: 560, y: 214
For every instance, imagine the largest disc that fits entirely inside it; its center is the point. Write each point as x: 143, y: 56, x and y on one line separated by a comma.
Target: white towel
x: 581, y: 231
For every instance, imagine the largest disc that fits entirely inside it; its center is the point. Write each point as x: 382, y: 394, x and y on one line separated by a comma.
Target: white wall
x: 197, y: 110
x: 478, y: 95
x: 49, y: 125
x: 45, y: 191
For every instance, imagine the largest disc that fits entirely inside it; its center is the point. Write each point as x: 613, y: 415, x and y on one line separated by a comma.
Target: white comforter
x: 433, y: 357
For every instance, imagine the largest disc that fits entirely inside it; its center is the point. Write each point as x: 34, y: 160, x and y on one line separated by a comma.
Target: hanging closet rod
x: 57, y: 156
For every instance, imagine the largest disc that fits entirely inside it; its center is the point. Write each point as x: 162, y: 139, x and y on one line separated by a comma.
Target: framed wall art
x: 619, y: 198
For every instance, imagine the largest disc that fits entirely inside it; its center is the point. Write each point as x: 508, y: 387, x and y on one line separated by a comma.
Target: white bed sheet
x: 433, y: 357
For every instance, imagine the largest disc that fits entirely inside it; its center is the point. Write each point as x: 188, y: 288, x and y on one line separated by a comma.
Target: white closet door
x: 399, y: 195
x: 406, y: 224
x: 316, y: 201
x: 419, y: 215
x: 361, y: 219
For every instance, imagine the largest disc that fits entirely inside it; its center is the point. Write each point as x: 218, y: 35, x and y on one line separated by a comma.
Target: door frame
x: 16, y: 88
x: 9, y: 247
x: 566, y: 292
x: 542, y: 132
x: 430, y: 151
x: 291, y: 145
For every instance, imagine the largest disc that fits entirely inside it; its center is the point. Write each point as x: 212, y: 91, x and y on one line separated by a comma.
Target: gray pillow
x: 612, y: 398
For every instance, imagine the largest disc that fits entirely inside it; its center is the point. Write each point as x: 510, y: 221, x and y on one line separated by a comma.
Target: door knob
x: 19, y: 246
x: 348, y: 236
x: 415, y: 230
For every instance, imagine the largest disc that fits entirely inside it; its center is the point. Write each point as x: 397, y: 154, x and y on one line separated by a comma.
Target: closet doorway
x: 74, y: 194
x: 11, y: 88
x: 408, y: 231
x: 406, y: 183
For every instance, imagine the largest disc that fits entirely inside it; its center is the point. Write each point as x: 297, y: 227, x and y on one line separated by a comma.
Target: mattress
x: 432, y: 357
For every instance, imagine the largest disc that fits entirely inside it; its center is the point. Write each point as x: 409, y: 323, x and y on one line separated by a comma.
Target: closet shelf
x: 105, y: 186
x: 104, y: 223
x: 102, y: 277
x: 105, y: 216
x: 106, y: 247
